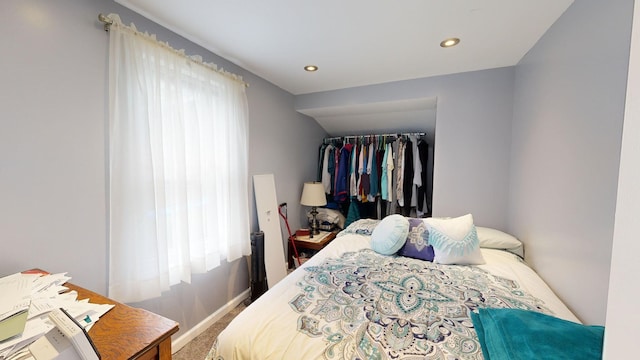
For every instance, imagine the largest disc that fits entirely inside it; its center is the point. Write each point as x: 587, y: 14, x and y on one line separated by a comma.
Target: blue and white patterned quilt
x: 368, y: 306
x: 351, y: 303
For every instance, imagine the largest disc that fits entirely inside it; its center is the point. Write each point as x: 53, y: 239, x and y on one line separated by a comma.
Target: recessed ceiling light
x: 449, y: 42
x: 311, y: 68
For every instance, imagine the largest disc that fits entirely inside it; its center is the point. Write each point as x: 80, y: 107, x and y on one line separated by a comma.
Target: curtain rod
x: 107, y: 21
x: 370, y: 135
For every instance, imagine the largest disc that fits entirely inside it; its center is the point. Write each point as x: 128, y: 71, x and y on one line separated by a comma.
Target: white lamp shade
x: 313, y: 194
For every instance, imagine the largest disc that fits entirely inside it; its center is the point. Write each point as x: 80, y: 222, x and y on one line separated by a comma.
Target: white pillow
x: 455, y: 241
x: 496, y: 239
x: 390, y: 234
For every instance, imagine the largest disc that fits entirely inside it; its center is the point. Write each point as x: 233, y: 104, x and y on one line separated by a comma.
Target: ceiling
x: 357, y: 42
x: 383, y: 117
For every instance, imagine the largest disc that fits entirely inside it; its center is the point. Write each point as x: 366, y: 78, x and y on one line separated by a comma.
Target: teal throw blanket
x: 512, y: 334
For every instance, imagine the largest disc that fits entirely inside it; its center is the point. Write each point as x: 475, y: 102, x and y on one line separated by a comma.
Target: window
x: 178, y: 155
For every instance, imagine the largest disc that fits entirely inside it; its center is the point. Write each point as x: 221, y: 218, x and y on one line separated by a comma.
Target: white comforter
x: 306, y: 316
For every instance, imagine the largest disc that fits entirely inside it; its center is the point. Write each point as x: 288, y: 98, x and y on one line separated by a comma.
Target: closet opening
x: 375, y: 175
x: 354, y: 123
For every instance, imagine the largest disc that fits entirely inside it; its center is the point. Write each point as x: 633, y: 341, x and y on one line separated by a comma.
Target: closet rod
x: 364, y: 136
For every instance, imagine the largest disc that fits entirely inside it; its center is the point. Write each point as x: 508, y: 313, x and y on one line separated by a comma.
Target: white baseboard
x: 181, y: 341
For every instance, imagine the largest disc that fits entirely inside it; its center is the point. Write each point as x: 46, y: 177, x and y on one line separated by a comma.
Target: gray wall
x: 534, y: 149
x: 624, y: 288
x: 568, y: 112
x: 53, y: 149
x: 473, y: 129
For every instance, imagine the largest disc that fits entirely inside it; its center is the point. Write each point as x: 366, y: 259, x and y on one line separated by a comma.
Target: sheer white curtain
x: 178, y: 139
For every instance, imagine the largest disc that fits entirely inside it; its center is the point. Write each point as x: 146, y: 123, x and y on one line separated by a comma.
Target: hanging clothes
x: 320, y: 161
x: 372, y: 171
x: 417, y: 170
x: 353, y: 214
x: 364, y: 178
x: 391, y: 169
x: 326, y: 175
x: 375, y: 175
x: 407, y: 186
x: 353, y: 173
x: 400, y: 173
x: 342, y: 177
x: 384, y: 176
x: 423, y: 153
x: 379, y: 155
x: 333, y: 169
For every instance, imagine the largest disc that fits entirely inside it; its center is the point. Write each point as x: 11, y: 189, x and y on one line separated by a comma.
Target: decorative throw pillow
x: 390, y: 234
x: 455, y: 241
x: 417, y: 244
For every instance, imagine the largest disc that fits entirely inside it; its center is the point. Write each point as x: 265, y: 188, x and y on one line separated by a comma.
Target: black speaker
x: 258, y: 273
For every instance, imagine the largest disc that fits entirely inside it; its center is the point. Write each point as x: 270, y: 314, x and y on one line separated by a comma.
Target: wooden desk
x: 126, y: 332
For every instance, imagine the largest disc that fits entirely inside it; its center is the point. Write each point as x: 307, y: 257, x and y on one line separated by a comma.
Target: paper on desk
x: 84, y: 312
x: 16, y: 294
x: 23, y: 354
x: 51, y: 283
x: 33, y: 329
x: 41, y: 294
x: 87, y: 313
x: 45, y: 293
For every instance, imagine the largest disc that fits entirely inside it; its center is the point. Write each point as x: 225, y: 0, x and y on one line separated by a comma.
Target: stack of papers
x: 14, y: 305
x: 44, y: 292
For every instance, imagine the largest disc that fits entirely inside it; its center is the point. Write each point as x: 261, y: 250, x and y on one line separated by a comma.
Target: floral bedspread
x: 367, y: 306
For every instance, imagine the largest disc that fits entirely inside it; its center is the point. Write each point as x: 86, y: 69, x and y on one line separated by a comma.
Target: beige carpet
x: 198, y: 348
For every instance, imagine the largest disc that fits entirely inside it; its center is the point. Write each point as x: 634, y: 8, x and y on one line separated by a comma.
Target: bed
x: 352, y: 301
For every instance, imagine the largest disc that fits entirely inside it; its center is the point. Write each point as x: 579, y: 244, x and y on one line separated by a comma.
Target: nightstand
x: 309, y: 245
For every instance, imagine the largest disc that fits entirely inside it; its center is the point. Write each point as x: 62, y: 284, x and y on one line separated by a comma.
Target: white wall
x: 473, y: 128
x: 53, y: 141
x: 568, y: 111
x: 622, y: 331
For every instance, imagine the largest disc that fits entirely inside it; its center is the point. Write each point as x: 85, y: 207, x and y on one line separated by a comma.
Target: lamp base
x: 314, y: 223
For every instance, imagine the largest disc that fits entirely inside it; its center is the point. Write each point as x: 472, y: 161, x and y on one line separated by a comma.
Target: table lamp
x: 313, y: 195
